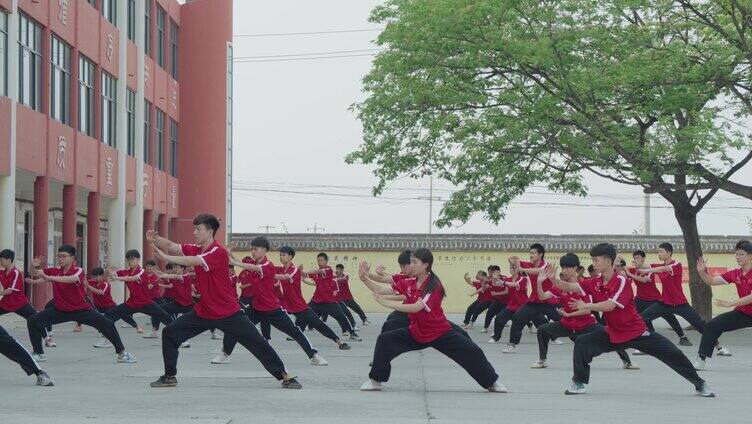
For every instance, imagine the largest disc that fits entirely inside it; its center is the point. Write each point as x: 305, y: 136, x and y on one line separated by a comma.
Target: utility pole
x: 315, y: 228
x: 646, y: 214
x: 430, y: 199
x: 267, y: 228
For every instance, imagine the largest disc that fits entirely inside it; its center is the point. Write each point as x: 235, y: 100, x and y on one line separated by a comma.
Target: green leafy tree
x: 497, y: 95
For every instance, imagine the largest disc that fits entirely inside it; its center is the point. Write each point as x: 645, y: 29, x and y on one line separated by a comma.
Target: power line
x: 243, y: 58
x: 288, y: 34
x: 305, y: 58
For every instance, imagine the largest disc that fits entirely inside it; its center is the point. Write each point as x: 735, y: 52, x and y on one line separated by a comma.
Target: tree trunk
x: 700, y: 292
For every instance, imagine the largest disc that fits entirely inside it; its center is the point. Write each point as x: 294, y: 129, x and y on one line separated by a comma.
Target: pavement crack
x: 429, y: 416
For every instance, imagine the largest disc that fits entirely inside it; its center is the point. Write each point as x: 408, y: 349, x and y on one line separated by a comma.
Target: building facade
x: 115, y: 118
x: 457, y: 254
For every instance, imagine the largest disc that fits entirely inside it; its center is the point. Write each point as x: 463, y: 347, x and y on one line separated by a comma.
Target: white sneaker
x: 318, y: 360
x: 576, y: 389
x: 498, y: 387
x: 539, y: 364
x: 222, y: 358
x: 533, y: 330
x: 366, y: 322
x: 492, y: 341
x: 126, y: 358
x: 125, y: 325
x: 509, y: 349
x: 557, y: 342
x: 469, y: 326
x: 103, y: 344
x: 701, y: 365
x: 152, y: 335
x: 48, y: 342
x: 371, y: 386
x: 723, y: 351
x: 185, y: 345
x: 216, y: 336
x: 631, y: 366
x: 637, y: 352
x: 39, y: 357
x: 345, y: 334
x: 356, y: 328
x: 484, y: 331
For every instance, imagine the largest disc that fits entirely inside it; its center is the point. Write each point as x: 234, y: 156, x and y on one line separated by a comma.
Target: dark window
x: 160, y: 139
x: 3, y: 54
x: 174, y: 31
x: 109, y: 109
x: 130, y: 106
x: 161, y: 36
x: 85, y: 96
x: 29, y: 63
x: 147, y: 28
x: 132, y: 20
x: 147, y: 131
x: 109, y: 10
x: 173, y: 148
x: 60, y: 81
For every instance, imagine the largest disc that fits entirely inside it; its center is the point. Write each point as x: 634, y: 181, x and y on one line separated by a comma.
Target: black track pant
x: 90, y: 317
x: 281, y: 321
x: 172, y: 309
x: 352, y: 304
x: 14, y: 351
x: 309, y: 318
x: 396, y: 320
x: 128, y: 319
x: 469, y: 311
x: 538, y: 313
x: 588, y: 346
x: 345, y: 312
x: 266, y: 328
x: 492, y: 311
x: 685, y: 311
x: 25, y: 312
x: 729, y: 321
x: 554, y: 330
x: 335, y: 311
x: 479, y: 309
x: 122, y: 310
x: 238, y: 326
x: 642, y: 305
x: 161, y: 302
x: 500, y: 321
x: 457, y: 347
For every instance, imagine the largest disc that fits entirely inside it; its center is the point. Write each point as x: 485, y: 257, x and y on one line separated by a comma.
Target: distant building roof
x: 480, y: 242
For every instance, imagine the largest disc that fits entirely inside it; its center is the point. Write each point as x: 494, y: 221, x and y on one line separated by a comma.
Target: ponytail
x: 432, y: 284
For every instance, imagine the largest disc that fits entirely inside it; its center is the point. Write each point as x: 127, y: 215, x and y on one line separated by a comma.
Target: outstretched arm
x: 163, y: 244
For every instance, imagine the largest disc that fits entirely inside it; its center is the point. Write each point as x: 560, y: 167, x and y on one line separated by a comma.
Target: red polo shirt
x: 623, y: 322
x: 218, y: 296
x: 139, y: 293
x: 69, y: 297
x: 429, y: 323
x: 743, y: 283
x: 325, y: 286
x: 12, y: 279
x: 671, y: 282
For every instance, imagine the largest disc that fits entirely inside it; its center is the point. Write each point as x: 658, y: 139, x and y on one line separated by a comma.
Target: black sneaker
x: 292, y: 383
x: 684, y: 341
x: 344, y: 346
x: 165, y: 381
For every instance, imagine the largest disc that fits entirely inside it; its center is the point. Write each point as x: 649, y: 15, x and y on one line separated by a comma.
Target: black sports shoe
x: 684, y: 341
x: 165, y: 381
x: 292, y: 383
x: 344, y: 346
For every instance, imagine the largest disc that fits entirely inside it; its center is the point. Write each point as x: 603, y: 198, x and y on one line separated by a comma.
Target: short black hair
x: 640, y: 253
x: 261, y: 242
x: 210, y: 221
x: 666, y: 246
x: 591, y: 269
x: 67, y: 248
x: 580, y: 268
x: 7, y: 254
x: 323, y: 255
x: 150, y: 262
x: 288, y: 250
x: 169, y: 265
x: 569, y: 260
x: 606, y: 250
x: 622, y: 263
x: 340, y: 266
x: 96, y: 272
x: 404, y: 257
x: 132, y: 254
x: 744, y: 245
x: 538, y: 248
x: 494, y: 268
x: 177, y: 266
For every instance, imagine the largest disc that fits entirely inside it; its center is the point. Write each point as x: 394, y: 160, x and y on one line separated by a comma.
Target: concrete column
x: 41, y: 293
x: 69, y: 215
x: 136, y: 229
x: 117, y: 242
x: 8, y: 182
x: 92, y: 230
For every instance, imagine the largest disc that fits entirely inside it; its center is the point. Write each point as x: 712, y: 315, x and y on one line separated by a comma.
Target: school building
x: 115, y: 118
x: 457, y: 254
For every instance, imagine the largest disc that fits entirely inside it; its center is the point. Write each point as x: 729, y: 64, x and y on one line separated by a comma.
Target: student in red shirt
x: 68, y: 292
x: 323, y: 301
x: 12, y: 296
x: 428, y: 328
x: 217, y: 307
x: 156, y: 287
x: 346, y: 296
x: 140, y: 285
x: 516, y: 287
x: 499, y: 297
x: 612, y: 295
x: 476, y: 284
x: 741, y: 316
x: 573, y: 323
x: 339, y: 280
x: 266, y: 305
x: 101, y: 295
x: 673, y: 301
x: 648, y: 295
x: 381, y: 282
x: 536, y: 310
x: 485, y: 298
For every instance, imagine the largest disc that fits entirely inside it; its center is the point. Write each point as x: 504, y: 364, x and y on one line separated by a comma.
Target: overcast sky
x: 293, y: 127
